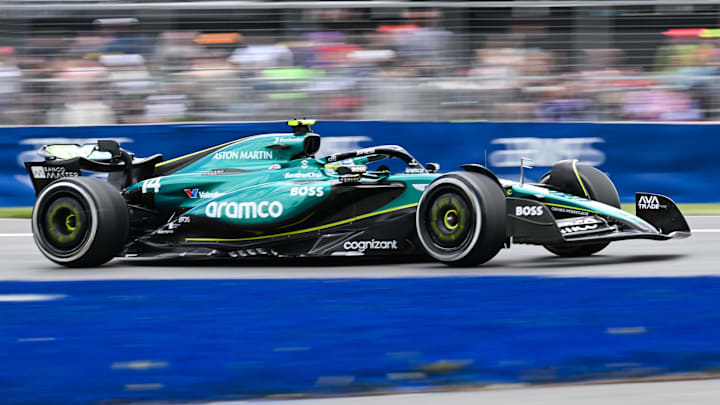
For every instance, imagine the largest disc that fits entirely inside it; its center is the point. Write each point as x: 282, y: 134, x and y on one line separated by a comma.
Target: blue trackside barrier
x: 77, y: 343
x: 678, y: 160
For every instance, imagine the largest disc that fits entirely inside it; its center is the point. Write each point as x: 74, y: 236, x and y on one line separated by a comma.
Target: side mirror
x: 432, y: 167
x: 108, y: 145
x: 311, y: 144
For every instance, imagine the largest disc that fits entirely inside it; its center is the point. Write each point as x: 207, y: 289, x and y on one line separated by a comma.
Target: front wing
x: 657, y: 218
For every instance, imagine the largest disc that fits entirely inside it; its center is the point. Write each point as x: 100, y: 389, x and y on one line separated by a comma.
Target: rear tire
x: 80, y: 222
x: 600, y: 188
x: 460, y: 219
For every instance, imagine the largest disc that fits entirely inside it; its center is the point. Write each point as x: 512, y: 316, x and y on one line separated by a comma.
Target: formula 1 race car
x: 269, y: 195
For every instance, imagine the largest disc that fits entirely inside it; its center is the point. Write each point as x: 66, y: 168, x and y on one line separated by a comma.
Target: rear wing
x: 105, y: 156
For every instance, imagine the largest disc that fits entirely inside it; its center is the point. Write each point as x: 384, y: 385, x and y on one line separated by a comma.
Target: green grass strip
x: 15, y: 212
x: 687, y: 209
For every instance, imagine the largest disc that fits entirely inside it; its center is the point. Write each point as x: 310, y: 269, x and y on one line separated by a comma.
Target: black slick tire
x: 600, y: 188
x: 80, y: 222
x: 460, y: 219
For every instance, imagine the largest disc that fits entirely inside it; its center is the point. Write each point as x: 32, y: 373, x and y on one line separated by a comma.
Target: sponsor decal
x: 302, y: 175
x: 307, y: 191
x: 364, y: 152
x: 258, y: 154
x: 580, y: 221
x: 291, y: 139
x: 579, y: 225
x: 244, y: 210
x: 274, y: 167
x: 546, y: 151
x: 363, y: 245
x: 38, y: 172
x: 420, y: 187
x: 195, y: 193
x: 357, y: 168
x: 153, y: 184
x: 578, y: 228
x: 569, y: 211
x: 230, y: 154
x: 51, y: 172
x: 415, y: 170
x: 528, y: 211
x: 649, y: 202
x: 169, y: 229
x: 210, y: 194
x: 245, y: 154
x: 184, y: 219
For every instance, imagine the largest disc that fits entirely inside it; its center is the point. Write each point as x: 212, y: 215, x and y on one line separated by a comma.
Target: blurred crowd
x: 416, y: 69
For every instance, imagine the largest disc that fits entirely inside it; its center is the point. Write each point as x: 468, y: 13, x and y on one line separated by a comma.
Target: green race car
x: 270, y: 196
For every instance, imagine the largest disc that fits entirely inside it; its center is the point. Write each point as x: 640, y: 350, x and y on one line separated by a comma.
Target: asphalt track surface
x: 696, y: 256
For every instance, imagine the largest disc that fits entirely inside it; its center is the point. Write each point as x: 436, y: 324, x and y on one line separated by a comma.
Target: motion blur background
x: 552, y: 78
x: 124, y: 62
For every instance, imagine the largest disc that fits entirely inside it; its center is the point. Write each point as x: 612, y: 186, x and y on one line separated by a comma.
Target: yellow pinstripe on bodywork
x: 577, y: 175
x: 316, y: 228
x: 205, y: 150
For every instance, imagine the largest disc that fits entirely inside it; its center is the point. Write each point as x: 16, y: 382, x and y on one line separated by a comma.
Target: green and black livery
x: 270, y: 196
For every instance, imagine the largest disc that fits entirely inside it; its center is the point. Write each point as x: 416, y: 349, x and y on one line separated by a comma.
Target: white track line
x: 30, y: 297
x: 13, y: 235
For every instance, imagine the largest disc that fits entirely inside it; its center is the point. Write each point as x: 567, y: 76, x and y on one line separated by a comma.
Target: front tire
x: 80, y: 222
x: 595, y: 186
x: 460, y: 219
